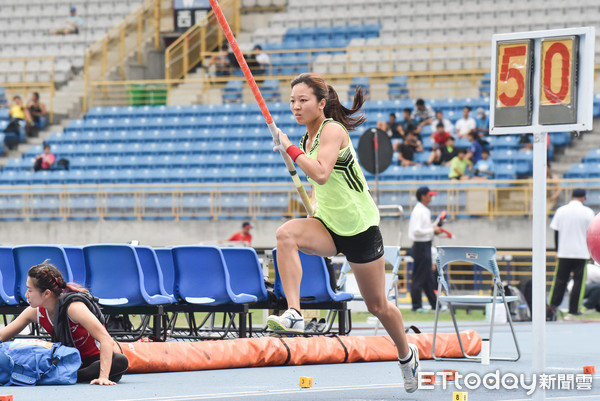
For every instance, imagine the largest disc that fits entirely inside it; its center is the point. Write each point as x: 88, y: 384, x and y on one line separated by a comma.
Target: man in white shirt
x: 439, y: 118
x: 466, y: 124
x: 570, y: 222
x: 421, y: 231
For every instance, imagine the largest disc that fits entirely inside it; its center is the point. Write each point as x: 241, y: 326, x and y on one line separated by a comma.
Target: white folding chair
x: 486, y: 258
x: 392, y: 256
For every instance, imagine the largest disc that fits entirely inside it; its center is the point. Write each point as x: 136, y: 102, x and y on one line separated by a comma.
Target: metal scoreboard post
x: 542, y: 81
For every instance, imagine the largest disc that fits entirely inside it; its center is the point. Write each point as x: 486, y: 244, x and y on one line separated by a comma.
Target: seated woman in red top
x: 53, y: 305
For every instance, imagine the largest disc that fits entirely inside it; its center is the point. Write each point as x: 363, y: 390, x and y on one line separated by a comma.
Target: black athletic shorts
x: 363, y: 247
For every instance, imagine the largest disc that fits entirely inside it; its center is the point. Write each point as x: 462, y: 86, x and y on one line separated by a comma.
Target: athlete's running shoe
x: 290, y: 321
x: 410, y: 370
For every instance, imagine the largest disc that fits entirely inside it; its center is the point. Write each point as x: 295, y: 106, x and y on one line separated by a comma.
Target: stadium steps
x: 67, y: 100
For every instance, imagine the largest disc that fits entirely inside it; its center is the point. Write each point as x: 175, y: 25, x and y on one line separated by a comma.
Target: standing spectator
x: 466, y: 124
x: 570, y: 223
x: 475, y: 150
x: 422, y: 114
x: 243, y: 236
x: 482, y: 123
x: 37, y: 111
x: 44, y: 161
x: 71, y: 26
x: 439, y: 118
x: 459, y: 165
x: 484, y: 168
x: 407, y: 150
x: 421, y: 231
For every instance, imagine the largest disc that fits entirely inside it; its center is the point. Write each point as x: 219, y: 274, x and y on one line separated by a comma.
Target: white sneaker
x: 290, y: 321
x: 410, y: 370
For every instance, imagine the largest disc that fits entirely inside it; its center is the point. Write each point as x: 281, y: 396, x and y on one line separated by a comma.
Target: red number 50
x: 507, y: 73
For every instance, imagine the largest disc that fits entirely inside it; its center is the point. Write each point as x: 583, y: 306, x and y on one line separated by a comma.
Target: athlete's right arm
x: 29, y: 315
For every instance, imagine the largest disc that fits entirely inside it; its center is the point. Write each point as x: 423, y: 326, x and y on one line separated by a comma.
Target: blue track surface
x: 570, y: 346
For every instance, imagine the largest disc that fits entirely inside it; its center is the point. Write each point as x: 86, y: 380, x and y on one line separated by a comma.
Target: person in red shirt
x: 44, y: 161
x: 243, y: 236
x: 101, y: 360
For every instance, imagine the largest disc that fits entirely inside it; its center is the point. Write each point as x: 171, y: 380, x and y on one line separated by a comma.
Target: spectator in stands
x: 407, y: 150
x: 37, y: 111
x: 408, y: 124
x: 466, y: 124
x: 71, y: 26
x: 570, y: 223
x: 484, y: 168
x: 243, y: 236
x: 459, y: 165
x: 440, y: 136
x: 262, y: 59
x: 482, y: 123
x: 553, y: 189
x: 218, y: 64
x: 391, y: 128
x: 439, y: 118
x: 525, y: 142
x: 422, y: 114
x: 475, y: 149
x: 444, y: 154
x: 45, y: 160
x: 19, y: 120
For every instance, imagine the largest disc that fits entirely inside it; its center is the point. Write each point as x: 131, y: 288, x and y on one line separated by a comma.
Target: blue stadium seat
x: 118, y: 284
x: 203, y: 278
x: 245, y: 272
x: 153, y: 275
x: 165, y: 262
x: 315, y: 285
x: 77, y: 263
x: 27, y: 256
x: 8, y: 285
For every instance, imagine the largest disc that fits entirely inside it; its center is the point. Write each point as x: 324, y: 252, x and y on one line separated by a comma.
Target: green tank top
x: 344, y: 203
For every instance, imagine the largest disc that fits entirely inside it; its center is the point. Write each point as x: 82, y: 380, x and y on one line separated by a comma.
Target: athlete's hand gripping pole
x: 261, y: 103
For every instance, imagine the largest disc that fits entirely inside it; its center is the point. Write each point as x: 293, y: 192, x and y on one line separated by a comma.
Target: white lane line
x: 267, y: 392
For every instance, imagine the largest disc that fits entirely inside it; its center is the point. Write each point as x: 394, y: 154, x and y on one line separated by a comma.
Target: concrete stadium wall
x: 503, y: 233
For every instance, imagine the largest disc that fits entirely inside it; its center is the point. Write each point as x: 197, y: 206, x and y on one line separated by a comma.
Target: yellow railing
x: 128, y: 36
x: 190, y: 48
x: 247, y: 200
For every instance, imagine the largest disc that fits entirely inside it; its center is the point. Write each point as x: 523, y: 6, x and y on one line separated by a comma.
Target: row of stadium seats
x: 25, y: 29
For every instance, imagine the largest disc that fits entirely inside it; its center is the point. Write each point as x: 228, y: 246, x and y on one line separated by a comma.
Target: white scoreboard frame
x: 585, y: 81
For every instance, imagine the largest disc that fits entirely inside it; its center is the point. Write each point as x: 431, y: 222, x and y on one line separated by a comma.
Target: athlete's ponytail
x: 333, y: 107
x: 48, y: 277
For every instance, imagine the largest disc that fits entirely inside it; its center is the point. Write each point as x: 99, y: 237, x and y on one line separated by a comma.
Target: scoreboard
x: 542, y: 81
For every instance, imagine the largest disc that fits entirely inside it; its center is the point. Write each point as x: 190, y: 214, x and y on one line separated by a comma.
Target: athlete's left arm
x: 79, y: 312
x: 333, y: 138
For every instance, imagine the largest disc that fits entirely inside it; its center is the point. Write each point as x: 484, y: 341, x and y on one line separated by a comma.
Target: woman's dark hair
x: 48, y: 277
x: 333, y: 108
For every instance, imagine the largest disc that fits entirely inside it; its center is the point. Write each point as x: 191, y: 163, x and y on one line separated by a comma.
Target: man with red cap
x: 243, y: 236
x: 421, y: 231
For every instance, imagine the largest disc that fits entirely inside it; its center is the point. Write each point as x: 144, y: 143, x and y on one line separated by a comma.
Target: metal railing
x: 247, y: 200
x: 128, y: 36
x: 204, y: 37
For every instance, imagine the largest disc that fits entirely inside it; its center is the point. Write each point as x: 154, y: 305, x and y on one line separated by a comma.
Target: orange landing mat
x: 147, y: 357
